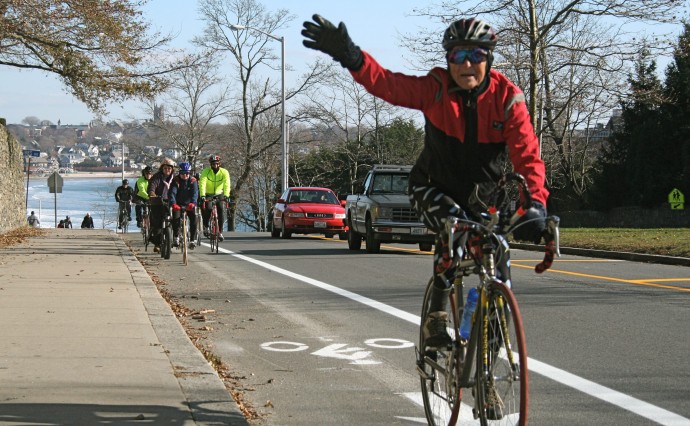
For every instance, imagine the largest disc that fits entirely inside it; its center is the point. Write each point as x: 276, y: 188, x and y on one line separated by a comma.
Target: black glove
x: 533, y: 230
x: 324, y: 36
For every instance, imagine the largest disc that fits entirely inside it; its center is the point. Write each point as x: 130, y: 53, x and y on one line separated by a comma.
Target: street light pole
x: 283, y: 128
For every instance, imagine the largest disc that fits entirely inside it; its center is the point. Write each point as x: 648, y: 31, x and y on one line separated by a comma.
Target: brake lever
x: 552, y: 247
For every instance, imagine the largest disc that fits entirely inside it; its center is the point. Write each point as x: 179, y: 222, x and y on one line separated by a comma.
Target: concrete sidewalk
x: 87, y: 339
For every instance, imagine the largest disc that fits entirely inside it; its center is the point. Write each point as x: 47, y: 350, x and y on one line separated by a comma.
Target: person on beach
x: 33, y: 221
x: 87, y: 223
x: 65, y: 223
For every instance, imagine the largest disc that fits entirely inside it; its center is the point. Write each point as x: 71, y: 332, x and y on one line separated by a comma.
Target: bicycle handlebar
x: 494, y: 225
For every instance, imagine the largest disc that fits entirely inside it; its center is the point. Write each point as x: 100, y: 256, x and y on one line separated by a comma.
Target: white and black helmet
x: 464, y: 32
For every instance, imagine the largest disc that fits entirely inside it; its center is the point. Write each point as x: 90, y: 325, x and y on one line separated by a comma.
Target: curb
x: 208, y: 399
x: 620, y: 255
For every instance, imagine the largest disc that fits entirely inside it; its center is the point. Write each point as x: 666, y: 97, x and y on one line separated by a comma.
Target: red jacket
x: 466, y: 133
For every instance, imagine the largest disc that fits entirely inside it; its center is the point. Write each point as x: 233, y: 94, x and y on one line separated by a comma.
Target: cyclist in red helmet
x: 475, y: 119
x: 214, y: 180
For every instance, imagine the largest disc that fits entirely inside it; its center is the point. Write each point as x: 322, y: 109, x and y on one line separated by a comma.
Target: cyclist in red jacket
x: 475, y: 119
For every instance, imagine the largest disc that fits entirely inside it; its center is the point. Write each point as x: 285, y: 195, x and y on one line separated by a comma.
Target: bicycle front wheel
x: 503, y: 383
x: 215, y: 230
x: 183, y: 239
x: 166, y: 245
x: 439, y: 372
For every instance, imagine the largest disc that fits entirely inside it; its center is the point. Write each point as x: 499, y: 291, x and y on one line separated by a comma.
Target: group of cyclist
x: 182, y: 192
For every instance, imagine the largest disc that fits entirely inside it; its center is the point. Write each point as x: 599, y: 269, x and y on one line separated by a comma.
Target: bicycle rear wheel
x: 504, y: 391
x: 439, y: 373
x: 145, y: 231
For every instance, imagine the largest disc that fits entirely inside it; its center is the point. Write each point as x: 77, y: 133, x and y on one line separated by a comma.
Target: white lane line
x: 626, y: 402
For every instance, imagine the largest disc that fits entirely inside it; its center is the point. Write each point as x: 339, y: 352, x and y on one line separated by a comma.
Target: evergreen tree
x: 629, y: 162
x: 676, y: 112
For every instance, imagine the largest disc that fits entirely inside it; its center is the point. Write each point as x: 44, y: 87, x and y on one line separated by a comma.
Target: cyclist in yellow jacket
x: 142, y: 192
x: 214, y: 180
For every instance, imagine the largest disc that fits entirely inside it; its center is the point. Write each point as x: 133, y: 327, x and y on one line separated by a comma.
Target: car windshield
x: 312, y: 196
x: 390, y: 184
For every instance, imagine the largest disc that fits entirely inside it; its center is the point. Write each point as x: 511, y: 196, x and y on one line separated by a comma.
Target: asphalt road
x: 317, y: 334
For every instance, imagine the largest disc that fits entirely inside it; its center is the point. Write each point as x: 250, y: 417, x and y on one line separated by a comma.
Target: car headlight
x: 382, y: 212
x: 295, y: 214
x: 340, y: 215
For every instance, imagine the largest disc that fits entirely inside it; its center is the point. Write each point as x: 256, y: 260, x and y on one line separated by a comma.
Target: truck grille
x: 320, y: 215
x: 401, y: 214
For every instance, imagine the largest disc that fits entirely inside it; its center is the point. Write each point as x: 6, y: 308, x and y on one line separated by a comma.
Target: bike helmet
x: 185, y: 168
x: 469, y: 32
x: 147, y: 169
x: 214, y: 159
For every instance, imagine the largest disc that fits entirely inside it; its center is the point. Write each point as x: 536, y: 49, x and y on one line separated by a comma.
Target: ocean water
x: 79, y: 196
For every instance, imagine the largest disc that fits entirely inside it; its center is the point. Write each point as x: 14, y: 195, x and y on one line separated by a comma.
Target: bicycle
x: 492, y: 361
x: 122, y: 217
x: 214, y: 228
x: 166, y: 232
x: 183, y: 235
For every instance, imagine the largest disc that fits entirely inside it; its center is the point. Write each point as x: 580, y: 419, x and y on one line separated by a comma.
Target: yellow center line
x: 646, y: 283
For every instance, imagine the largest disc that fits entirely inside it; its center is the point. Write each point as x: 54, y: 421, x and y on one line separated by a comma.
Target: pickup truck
x: 381, y: 212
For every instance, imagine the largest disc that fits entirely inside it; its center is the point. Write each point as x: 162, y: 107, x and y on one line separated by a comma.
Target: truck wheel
x: 354, y: 240
x: 373, y: 245
x: 426, y: 246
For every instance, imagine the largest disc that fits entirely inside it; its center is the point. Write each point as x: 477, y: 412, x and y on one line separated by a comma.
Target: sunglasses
x: 184, y: 173
x: 475, y: 56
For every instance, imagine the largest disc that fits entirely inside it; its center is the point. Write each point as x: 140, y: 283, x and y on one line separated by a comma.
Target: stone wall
x: 12, y: 190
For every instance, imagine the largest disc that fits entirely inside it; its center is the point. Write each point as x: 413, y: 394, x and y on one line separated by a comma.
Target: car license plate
x: 418, y: 231
x: 319, y: 224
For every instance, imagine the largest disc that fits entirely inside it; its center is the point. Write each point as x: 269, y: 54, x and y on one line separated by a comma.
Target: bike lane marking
x: 626, y: 402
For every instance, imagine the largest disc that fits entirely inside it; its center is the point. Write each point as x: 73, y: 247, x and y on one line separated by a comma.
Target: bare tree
x: 196, y: 98
x: 255, y: 126
x: 353, y: 118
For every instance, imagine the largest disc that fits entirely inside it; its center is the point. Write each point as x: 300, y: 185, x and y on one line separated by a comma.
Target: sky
x: 26, y: 93
x: 373, y: 24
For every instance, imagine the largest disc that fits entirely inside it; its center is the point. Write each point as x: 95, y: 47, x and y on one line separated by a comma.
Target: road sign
x: 31, y: 153
x: 55, y: 183
x: 676, y: 199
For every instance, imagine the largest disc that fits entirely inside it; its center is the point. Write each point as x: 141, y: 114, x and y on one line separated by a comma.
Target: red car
x: 309, y: 210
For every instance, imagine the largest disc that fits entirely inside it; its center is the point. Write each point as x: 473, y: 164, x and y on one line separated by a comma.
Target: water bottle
x: 470, y: 306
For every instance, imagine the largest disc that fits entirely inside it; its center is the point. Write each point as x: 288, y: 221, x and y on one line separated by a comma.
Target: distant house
x: 153, y: 151
x: 173, y: 153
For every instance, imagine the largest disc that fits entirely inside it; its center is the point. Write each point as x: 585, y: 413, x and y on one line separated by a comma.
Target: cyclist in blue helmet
x: 184, y: 192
